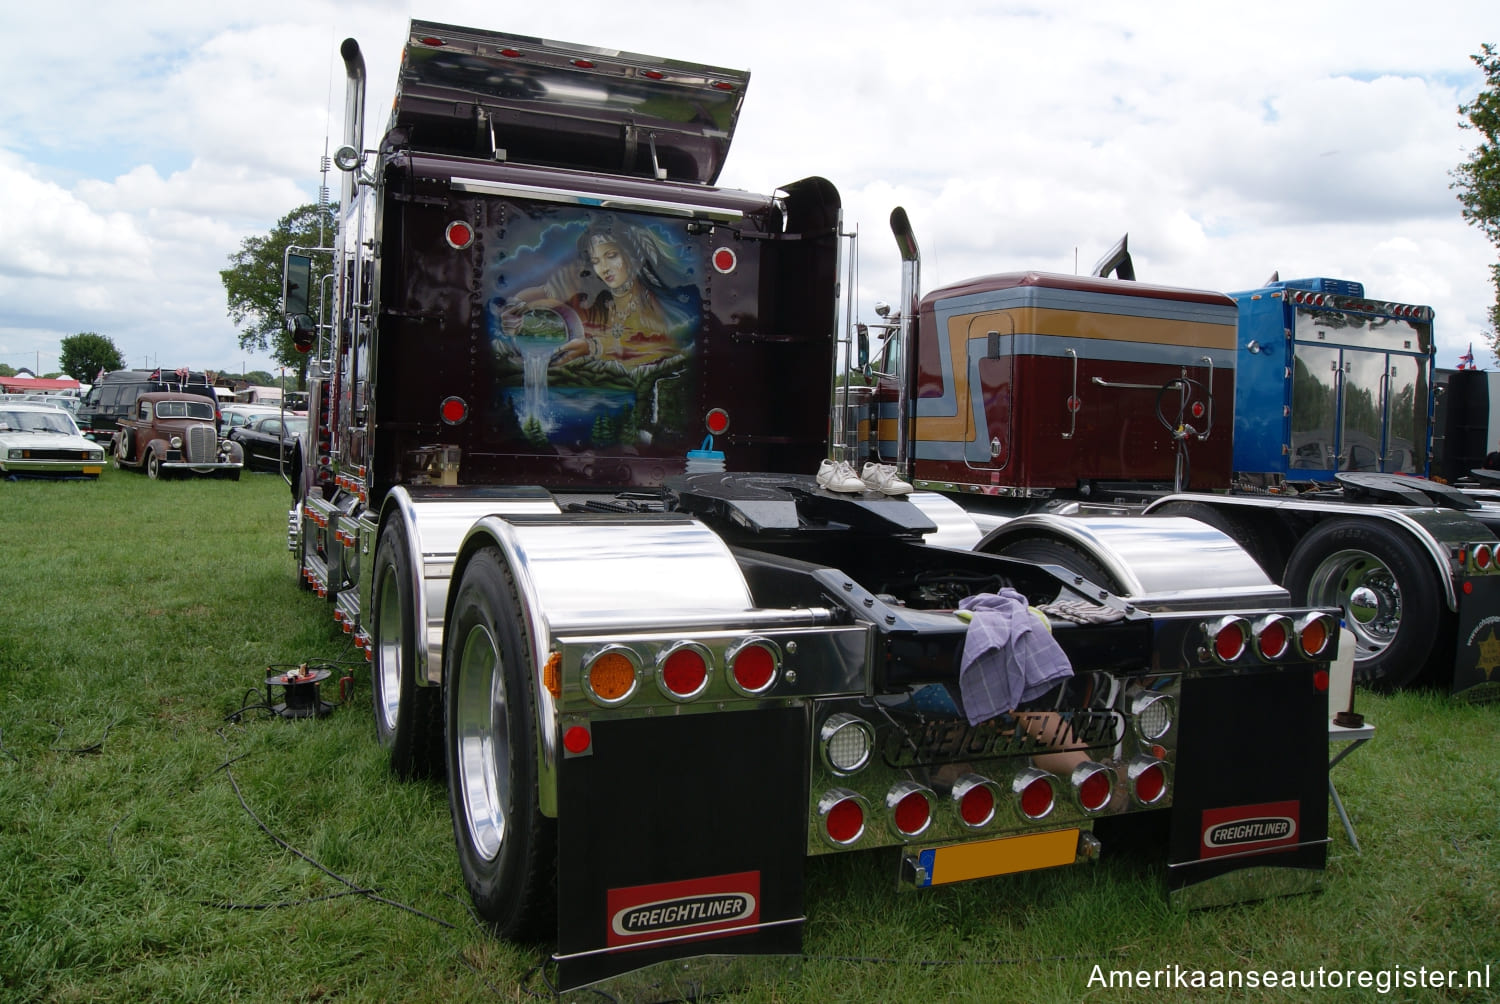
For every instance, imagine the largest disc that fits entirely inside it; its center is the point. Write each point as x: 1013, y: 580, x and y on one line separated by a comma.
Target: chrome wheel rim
x: 483, y: 742
x: 388, y: 649
x: 1366, y: 591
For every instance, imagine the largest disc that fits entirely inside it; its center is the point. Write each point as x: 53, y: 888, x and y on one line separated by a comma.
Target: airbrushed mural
x: 594, y: 321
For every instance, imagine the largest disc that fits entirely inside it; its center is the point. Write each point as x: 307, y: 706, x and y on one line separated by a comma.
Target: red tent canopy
x: 23, y: 385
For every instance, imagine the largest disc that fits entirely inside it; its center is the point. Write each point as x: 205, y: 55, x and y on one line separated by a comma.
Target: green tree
x: 83, y: 355
x: 252, y: 284
x: 7, y: 370
x: 1478, y: 178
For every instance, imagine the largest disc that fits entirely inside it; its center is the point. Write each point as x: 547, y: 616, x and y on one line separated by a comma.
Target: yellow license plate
x: 960, y: 862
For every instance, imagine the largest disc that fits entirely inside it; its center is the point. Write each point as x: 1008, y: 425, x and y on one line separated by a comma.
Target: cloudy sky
x: 141, y: 142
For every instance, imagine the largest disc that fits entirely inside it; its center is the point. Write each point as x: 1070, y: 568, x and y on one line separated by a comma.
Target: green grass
x: 137, y: 617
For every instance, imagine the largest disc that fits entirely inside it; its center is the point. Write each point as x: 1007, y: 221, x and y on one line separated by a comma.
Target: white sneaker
x: 883, y: 478
x: 839, y: 477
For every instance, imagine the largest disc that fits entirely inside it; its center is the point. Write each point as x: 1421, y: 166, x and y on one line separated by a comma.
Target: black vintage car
x: 266, y: 439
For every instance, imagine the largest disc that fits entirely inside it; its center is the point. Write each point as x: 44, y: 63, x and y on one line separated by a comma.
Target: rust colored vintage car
x: 169, y: 432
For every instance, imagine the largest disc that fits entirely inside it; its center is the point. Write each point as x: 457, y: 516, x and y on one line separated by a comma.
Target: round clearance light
x: 460, y: 235
x: 1094, y: 784
x: 682, y: 671
x: 1273, y: 636
x: 1314, y: 634
x: 846, y: 741
x: 976, y: 797
x: 1035, y: 794
x: 610, y: 677
x: 908, y: 806
x: 843, y: 816
x: 455, y: 410
x: 1148, y: 780
x: 1153, y: 714
x: 725, y: 261
x: 717, y: 421
x: 753, y: 665
x: 1229, y: 637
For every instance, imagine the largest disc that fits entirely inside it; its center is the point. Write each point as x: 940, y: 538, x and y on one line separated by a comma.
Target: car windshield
x: 185, y: 409
x: 37, y: 421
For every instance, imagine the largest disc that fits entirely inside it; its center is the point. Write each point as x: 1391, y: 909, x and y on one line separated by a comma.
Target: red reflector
x: 753, y: 667
x: 912, y: 813
x: 684, y: 672
x: 844, y: 821
x: 721, y: 86
x: 576, y: 739
x: 1093, y: 793
x: 717, y: 421
x: 978, y: 805
x: 1036, y: 798
x: 429, y: 40
x: 510, y: 53
x: 725, y: 260
x: 1150, y: 783
x: 1320, y: 681
x: 1198, y: 409
x: 460, y: 235
x: 583, y: 64
x: 1468, y: 588
x: 454, y: 410
x: 653, y: 74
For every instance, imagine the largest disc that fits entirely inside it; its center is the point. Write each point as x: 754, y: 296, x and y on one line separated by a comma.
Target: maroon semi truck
x: 567, y: 405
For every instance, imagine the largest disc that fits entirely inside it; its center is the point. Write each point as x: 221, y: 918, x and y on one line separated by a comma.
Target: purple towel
x: 1009, y: 656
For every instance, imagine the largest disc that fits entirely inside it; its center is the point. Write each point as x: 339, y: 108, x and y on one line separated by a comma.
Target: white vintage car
x: 40, y: 441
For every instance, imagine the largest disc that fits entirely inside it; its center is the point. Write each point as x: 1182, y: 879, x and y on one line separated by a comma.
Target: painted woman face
x: 609, y: 263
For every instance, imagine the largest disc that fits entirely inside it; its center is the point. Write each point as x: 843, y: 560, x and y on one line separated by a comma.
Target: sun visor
x: 527, y: 100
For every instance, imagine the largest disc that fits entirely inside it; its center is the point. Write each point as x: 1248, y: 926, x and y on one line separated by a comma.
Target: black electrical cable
x: 289, y: 902
x: 367, y: 893
x: 91, y: 747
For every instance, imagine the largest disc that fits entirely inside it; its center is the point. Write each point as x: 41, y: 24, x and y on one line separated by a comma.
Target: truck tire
x: 506, y: 847
x: 408, y: 718
x: 121, y: 448
x: 153, y: 466
x: 1267, y: 550
x: 1051, y: 551
x: 1389, y: 595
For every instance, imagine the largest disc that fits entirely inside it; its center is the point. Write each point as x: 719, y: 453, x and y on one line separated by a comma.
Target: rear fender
x: 1171, y: 562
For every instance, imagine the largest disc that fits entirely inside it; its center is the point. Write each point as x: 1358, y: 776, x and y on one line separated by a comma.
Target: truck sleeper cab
x: 542, y: 306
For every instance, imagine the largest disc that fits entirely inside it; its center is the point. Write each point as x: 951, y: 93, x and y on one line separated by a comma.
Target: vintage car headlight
x: 13, y: 455
x: 96, y: 455
x: 176, y: 442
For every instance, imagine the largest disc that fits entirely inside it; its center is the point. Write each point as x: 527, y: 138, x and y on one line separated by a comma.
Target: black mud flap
x: 681, y: 836
x: 1249, y: 814
x: 1476, y: 657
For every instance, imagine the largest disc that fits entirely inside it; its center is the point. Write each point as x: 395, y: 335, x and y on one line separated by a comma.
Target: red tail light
x: 753, y: 665
x: 682, y: 671
x: 843, y: 817
x: 909, y: 807
x: 1148, y: 780
x: 1228, y: 638
x: 1483, y: 557
x: 1273, y: 636
x: 1094, y: 784
x: 1034, y: 793
x: 976, y: 800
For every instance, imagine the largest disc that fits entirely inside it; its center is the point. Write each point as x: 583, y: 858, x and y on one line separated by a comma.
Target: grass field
x: 158, y: 845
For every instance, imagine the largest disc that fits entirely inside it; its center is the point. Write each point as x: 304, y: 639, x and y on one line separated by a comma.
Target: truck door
x: 991, y: 366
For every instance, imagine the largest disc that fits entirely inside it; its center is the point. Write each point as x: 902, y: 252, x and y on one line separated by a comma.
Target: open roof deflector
x: 533, y: 101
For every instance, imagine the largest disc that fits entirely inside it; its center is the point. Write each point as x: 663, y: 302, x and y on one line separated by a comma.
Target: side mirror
x: 304, y: 332
x: 296, y: 287
x: 862, y: 345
